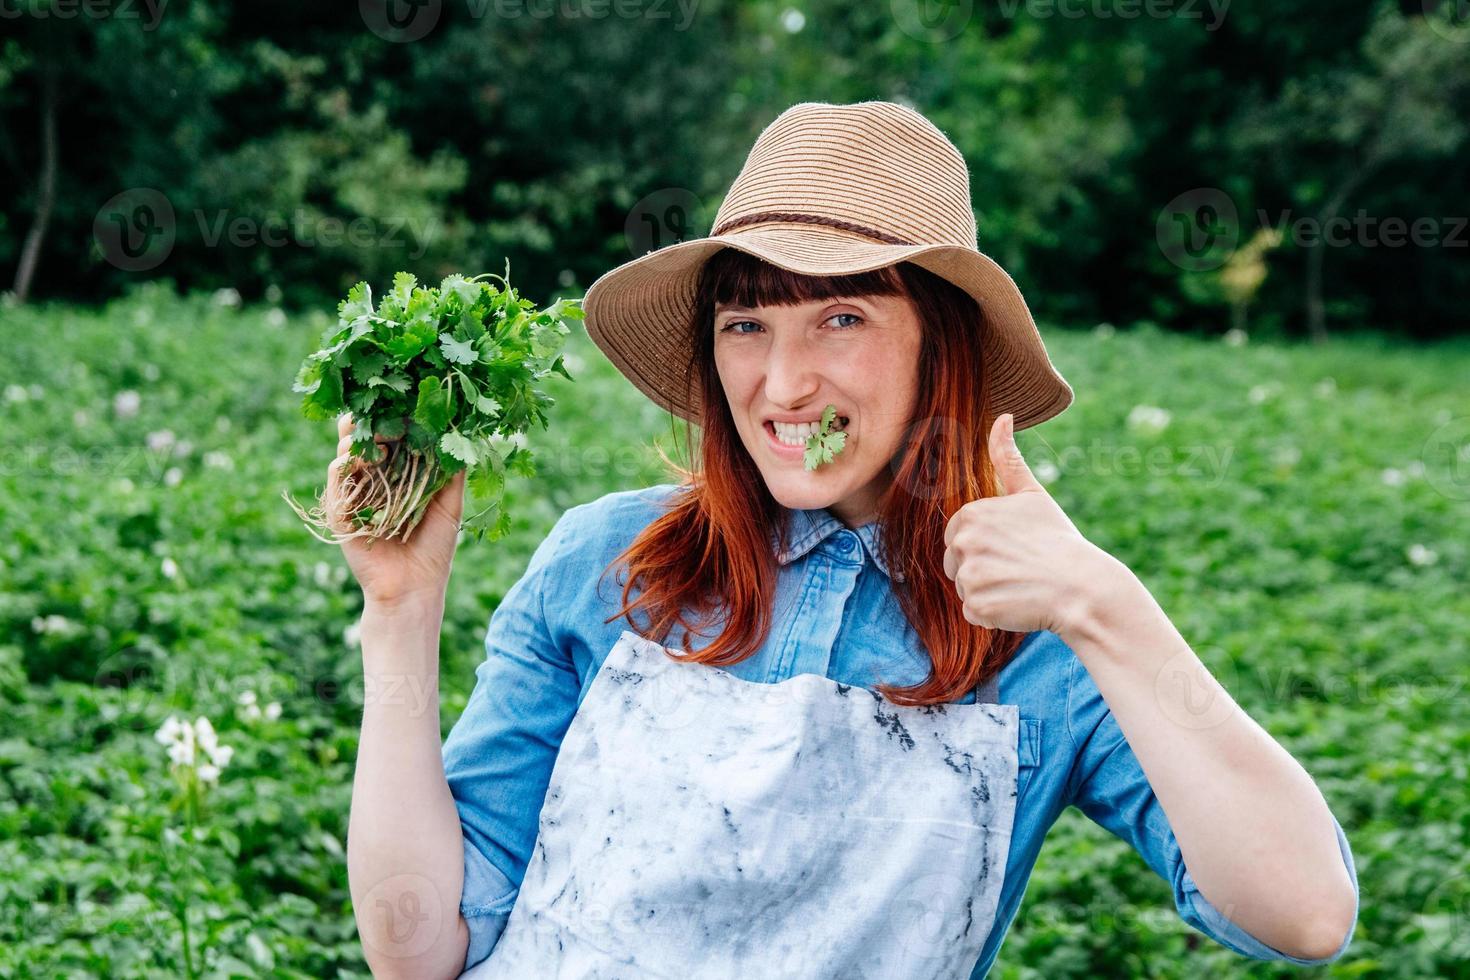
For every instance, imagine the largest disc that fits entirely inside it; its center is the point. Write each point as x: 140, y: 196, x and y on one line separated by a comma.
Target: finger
x: 951, y: 563
x: 1006, y: 457
x: 952, y: 526
x: 345, y: 423
x: 335, y: 470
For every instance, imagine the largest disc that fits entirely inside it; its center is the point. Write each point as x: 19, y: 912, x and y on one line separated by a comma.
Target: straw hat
x: 830, y: 190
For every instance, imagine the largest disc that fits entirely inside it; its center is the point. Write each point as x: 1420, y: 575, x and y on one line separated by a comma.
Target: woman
x: 828, y: 722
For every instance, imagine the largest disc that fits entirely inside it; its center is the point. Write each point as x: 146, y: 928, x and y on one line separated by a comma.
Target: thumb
x: 1009, y: 464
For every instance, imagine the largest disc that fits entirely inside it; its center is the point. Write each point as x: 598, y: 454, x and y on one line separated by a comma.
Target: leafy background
x: 1295, y: 516
x: 1298, y: 508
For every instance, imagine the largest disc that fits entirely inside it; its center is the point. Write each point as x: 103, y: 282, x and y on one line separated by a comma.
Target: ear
x: 1009, y: 464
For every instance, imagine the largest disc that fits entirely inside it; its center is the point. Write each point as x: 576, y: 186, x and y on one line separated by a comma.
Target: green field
x: 1301, y: 516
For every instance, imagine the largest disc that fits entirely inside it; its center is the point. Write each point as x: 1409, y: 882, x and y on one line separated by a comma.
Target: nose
x: 791, y: 371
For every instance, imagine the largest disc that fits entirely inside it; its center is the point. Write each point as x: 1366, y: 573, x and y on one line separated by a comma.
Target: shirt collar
x: 809, y: 528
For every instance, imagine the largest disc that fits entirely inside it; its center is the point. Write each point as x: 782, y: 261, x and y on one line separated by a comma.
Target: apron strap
x: 988, y: 692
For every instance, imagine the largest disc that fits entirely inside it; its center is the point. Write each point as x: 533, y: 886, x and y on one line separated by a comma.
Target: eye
x: 733, y: 324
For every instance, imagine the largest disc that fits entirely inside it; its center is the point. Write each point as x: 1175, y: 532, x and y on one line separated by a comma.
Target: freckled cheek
x: 884, y: 397
x: 742, y: 384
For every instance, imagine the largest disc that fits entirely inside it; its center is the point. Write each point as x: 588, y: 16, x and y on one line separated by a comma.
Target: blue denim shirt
x: 835, y: 614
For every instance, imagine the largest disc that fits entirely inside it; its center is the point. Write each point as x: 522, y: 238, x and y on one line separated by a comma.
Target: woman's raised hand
x: 392, y: 572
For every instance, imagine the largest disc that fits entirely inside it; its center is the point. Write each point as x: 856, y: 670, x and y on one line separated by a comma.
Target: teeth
x: 796, y: 434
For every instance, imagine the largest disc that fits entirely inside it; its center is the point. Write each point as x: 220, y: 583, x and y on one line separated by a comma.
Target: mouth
x: 794, y: 446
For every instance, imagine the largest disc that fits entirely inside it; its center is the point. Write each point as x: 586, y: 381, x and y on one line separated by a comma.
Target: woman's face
x: 788, y: 363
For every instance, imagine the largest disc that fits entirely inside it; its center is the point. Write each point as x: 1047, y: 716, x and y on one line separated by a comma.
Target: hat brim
x: 637, y: 314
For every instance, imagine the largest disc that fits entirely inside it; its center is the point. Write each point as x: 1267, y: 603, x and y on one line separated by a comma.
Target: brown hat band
x: 816, y: 219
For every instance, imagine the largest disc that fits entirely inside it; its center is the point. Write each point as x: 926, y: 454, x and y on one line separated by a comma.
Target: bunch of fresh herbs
x: 436, y: 372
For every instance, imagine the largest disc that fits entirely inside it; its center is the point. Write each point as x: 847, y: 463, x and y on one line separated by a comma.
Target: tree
x: 1331, y: 133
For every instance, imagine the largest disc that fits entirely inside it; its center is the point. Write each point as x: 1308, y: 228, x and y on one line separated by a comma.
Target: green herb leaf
x: 458, y: 351
x: 435, y: 405
x: 462, y: 449
x: 823, y: 444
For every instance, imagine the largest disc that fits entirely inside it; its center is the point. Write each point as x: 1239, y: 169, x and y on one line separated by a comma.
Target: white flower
x: 1104, y: 330
x: 170, y: 568
x: 1046, y: 471
x: 15, y: 393
x: 150, y: 371
x: 1261, y: 393
x: 181, y: 753
x: 1393, y: 477
x: 272, y: 711
x: 185, y: 741
x: 249, y: 708
x: 1148, y: 418
x: 204, y: 732
x: 125, y: 404
x: 169, y: 731
x: 793, y: 20
x: 275, y: 317
x: 173, y: 476
x: 183, y: 447
x: 161, y: 440
x: 321, y: 574
x: 1235, y: 337
x: 273, y: 293
x: 217, y: 460
x: 1287, y: 455
x: 51, y: 624
x: 352, y: 635
x: 227, y: 296
x: 1416, y: 466
x: 1420, y: 555
x: 1326, y: 388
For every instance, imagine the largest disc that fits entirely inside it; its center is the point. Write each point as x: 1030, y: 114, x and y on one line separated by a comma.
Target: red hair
x: 710, y: 553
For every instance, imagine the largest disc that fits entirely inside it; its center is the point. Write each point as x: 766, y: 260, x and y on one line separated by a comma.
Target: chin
x: 803, y: 490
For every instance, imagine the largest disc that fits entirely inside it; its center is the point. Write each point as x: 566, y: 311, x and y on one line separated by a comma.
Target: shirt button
x: 844, y: 542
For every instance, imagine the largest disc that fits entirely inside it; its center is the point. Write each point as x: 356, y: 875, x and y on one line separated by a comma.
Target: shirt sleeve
x: 499, y: 755
x: 1108, y: 785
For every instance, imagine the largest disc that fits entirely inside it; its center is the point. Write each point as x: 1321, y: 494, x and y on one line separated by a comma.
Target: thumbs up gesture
x: 1018, y: 563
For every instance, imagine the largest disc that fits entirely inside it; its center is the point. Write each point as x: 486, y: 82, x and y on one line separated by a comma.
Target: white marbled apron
x: 699, y: 825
